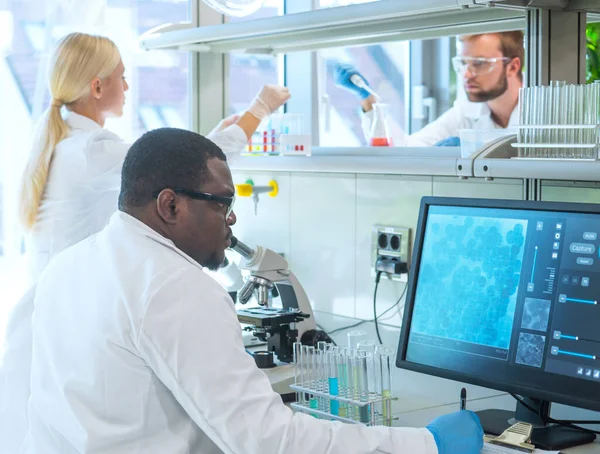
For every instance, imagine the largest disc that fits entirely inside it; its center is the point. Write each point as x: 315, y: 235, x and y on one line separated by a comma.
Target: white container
x: 295, y: 145
x: 473, y: 140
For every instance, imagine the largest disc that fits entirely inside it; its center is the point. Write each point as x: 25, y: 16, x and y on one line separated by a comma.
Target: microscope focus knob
x: 312, y: 336
x: 264, y: 359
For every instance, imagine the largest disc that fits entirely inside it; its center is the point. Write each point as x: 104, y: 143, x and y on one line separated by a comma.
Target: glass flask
x: 380, y: 136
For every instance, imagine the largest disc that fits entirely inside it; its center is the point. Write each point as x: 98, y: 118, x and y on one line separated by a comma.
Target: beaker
x: 354, y: 337
x: 380, y: 136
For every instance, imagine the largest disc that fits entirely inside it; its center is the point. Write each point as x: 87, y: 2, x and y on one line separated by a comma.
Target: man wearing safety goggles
x: 490, y: 68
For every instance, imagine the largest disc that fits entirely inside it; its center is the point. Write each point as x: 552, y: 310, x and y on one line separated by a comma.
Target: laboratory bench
x: 422, y: 398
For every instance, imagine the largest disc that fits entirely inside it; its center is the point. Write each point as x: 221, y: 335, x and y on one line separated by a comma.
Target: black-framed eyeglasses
x: 225, y: 202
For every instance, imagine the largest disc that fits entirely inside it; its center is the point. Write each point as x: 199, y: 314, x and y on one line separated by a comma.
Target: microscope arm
x: 302, y: 303
x: 268, y: 268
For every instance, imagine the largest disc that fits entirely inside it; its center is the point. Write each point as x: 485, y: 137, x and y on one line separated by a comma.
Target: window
x: 385, y: 67
x: 158, y: 94
x: 249, y: 72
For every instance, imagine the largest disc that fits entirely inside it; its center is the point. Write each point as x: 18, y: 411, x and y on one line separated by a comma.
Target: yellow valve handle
x: 275, y: 189
x: 247, y: 189
x: 244, y: 189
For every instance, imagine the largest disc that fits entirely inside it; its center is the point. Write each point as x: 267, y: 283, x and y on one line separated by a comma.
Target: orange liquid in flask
x: 381, y: 142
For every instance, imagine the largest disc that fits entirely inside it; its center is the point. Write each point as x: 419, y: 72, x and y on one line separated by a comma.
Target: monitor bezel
x: 401, y: 362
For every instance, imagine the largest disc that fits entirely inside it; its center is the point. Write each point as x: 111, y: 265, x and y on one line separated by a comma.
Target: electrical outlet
x: 392, y: 242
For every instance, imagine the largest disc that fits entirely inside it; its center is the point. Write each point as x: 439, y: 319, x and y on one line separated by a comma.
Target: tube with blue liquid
x: 334, y: 405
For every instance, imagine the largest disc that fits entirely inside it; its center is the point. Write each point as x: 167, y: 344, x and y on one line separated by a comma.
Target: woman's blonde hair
x: 76, y: 61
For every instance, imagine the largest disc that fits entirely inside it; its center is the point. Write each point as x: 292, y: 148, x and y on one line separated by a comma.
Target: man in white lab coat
x: 136, y: 349
x: 490, y: 66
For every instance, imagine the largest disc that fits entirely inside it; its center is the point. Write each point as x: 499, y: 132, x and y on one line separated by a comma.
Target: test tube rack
x: 575, y: 142
x: 559, y: 121
x: 271, y: 143
x: 370, y: 416
x: 344, y: 384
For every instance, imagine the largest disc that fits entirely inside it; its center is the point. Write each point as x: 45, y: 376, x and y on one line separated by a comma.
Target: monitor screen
x: 504, y: 294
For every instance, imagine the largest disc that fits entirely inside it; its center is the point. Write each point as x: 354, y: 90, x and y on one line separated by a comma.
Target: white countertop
x: 422, y: 398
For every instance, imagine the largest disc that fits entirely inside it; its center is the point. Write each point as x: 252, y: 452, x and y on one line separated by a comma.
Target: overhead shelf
x: 436, y: 161
x: 377, y: 22
x: 566, y: 5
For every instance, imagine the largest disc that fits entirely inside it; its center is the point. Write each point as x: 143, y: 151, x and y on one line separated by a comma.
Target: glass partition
x: 431, y: 89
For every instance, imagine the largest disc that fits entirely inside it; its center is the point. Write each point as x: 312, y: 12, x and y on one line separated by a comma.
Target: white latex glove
x: 225, y: 123
x: 269, y: 99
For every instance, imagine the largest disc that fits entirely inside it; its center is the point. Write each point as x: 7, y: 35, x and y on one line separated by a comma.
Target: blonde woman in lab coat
x: 72, y: 181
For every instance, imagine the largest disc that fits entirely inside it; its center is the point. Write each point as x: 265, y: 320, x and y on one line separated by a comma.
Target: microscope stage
x: 266, y: 317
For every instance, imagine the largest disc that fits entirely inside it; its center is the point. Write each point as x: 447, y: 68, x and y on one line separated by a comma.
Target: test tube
x: 544, y: 92
x: 562, y: 117
x: 364, y: 410
x: 369, y: 346
x: 548, y: 120
x: 298, y: 370
x: 594, y: 105
x: 322, y: 348
x: 312, y: 400
x: 353, y: 383
x: 386, y: 358
x: 539, y: 108
x: 590, y: 103
x: 334, y: 405
x: 342, y: 379
x: 585, y: 104
x: 592, y: 119
x: 566, y: 119
x: 532, y: 118
x: 528, y: 118
x: 589, y: 118
x: 578, y: 152
x: 554, y: 116
x: 306, y: 376
x: 576, y: 117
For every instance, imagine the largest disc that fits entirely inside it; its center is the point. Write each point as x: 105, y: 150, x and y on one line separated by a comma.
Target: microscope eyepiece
x: 245, y: 251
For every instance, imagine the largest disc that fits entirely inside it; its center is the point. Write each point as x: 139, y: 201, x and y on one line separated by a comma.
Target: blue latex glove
x: 457, y: 433
x: 343, y: 73
x: 449, y: 142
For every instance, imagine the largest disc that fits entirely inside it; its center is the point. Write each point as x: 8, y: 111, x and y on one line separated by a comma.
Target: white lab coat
x: 463, y: 115
x: 137, y: 350
x: 80, y: 197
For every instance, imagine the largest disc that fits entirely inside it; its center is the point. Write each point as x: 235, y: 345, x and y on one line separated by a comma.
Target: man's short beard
x: 488, y: 95
x: 213, y: 266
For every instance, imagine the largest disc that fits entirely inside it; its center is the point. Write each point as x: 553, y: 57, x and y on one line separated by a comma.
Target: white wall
x: 323, y: 223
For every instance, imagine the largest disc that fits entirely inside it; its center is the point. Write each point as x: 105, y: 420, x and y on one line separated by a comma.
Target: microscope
x: 278, y: 327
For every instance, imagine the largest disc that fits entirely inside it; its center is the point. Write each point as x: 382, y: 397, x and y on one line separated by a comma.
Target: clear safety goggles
x: 477, y: 66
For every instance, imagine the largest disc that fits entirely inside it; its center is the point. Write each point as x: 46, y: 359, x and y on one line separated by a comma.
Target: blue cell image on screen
x: 469, y: 277
x: 536, y: 313
x: 530, y: 351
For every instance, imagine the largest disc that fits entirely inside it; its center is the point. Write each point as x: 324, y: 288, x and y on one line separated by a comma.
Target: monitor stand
x: 549, y: 437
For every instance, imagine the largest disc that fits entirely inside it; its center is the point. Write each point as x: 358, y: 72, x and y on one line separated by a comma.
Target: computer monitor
x: 504, y: 294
